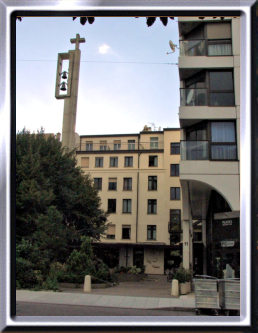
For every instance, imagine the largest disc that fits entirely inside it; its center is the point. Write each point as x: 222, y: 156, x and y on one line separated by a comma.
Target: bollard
x: 174, y: 288
x: 87, y: 284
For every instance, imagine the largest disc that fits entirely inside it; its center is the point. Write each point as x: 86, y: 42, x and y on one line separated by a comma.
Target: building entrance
x: 138, y: 257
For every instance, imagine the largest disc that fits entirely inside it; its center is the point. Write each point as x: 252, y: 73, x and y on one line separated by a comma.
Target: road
x: 41, y: 309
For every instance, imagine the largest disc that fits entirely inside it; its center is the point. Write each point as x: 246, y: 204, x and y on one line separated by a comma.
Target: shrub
x: 25, y: 275
x: 50, y: 284
x: 181, y: 275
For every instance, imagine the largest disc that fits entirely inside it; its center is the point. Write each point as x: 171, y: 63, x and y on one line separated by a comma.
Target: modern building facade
x: 137, y: 176
x: 209, y: 70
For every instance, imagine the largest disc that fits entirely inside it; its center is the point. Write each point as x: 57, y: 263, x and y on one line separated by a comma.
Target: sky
x: 126, y: 78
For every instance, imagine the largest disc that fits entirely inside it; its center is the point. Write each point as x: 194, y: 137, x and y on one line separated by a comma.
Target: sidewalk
x: 184, y: 302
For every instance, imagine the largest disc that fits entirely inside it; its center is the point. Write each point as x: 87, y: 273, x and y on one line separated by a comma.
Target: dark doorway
x: 172, y: 259
x: 138, y: 257
x: 198, y: 258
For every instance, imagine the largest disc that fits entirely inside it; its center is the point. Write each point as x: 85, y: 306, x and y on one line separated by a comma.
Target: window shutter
x: 85, y: 162
x: 111, y: 229
x: 218, y: 31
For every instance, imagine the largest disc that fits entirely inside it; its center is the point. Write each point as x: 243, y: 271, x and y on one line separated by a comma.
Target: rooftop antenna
x: 153, y: 124
x: 173, y: 47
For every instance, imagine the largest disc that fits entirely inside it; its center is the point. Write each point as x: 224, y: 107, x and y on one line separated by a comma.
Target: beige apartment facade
x: 137, y: 176
x: 209, y: 113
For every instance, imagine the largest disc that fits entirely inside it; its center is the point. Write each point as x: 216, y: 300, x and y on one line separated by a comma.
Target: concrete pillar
x: 175, y: 288
x: 87, y: 284
x: 70, y: 105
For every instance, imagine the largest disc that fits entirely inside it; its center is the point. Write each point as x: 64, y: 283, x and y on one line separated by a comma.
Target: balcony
x: 202, y: 47
x: 123, y: 146
x: 174, y: 228
x: 205, y: 150
x: 204, y: 97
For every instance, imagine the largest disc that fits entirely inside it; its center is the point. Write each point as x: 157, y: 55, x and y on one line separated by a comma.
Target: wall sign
x: 226, y: 223
x: 227, y: 243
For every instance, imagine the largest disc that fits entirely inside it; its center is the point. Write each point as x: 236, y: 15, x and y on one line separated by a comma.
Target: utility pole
x: 71, y: 95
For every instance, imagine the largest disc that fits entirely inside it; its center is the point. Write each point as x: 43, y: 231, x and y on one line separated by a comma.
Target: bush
x: 25, y: 275
x: 182, y: 275
x: 50, y: 284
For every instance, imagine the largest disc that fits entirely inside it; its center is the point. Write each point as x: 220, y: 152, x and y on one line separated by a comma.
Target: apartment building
x: 137, y: 176
x: 209, y: 70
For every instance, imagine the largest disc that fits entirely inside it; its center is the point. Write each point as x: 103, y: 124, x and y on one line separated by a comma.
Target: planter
x: 130, y: 277
x: 184, y: 288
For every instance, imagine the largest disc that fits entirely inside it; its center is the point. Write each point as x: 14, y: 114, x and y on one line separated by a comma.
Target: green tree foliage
x: 56, y: 203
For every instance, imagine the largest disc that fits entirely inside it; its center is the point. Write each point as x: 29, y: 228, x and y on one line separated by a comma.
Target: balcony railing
x: 174, y: 228
x: 205, y: 150
x: 202, y: 47
x: 193, y: 97
x: 201, y: 97
x: 194, y: 150
x: 110, y: 146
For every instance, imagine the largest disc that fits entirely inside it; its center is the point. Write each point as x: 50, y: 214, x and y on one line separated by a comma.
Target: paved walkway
x: 154, y: 293
x: 183, y: 302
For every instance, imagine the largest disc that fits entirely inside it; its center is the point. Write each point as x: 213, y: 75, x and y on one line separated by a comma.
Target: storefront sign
x: 227, y: 243
x: 226, y: 223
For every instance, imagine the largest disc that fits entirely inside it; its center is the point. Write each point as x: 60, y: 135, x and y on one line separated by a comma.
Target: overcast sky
x: 126, y: 78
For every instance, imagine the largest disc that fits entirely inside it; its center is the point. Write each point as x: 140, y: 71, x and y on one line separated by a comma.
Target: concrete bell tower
x: 69, y: 85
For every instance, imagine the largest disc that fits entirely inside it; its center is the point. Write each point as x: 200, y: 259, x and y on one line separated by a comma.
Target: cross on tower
x: 77, y: 40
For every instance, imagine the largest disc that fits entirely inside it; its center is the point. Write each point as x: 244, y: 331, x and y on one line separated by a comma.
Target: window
x: 127, y: 184
x: 174, y: 193
x: 112, y: 184
x: 152, y: 206
x: 223, y: 140
x: 113, y: 162
x: 127, y: 205
x: 85, y: 162
x: 175, y: 148
x: 89, y: 145
x: 117, y: 144
x: 153, y: 161
x: 152, y: 183
x: 221, y: 89
x: 98, y: 183
x: 103, y: 145
x: 99, y: 162
x: 219, y: 39
x: 126, y: 232
x: 112, y: 205
x: 111, y: 231
x: 174, y: 170
x: 151, y: 232
x: 128, y: 161
x: 175, y: 220
x: 154, y: 143
x: 131, y: 144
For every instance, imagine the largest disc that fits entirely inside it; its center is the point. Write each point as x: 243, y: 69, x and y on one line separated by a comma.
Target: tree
x: 56, y: 203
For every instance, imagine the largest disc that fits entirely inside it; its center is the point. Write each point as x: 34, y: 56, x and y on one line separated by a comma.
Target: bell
x: 63, y: 87
x: 64, y: 76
